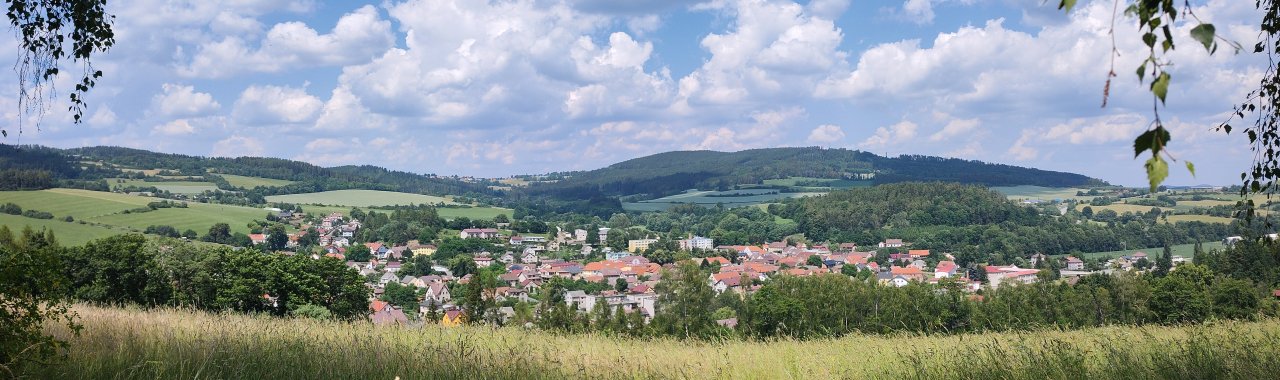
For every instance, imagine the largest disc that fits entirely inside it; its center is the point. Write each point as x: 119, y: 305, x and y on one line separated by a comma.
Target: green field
x: 77, y: 203
x: 176, y: 187
x: 1184, y: 250
x: 358, y: 198
x: 1041, y: 193
x: 106, y: 208
x: 198, y: 217
x: 177, y: 344
x: 748, y: 197
x: 252, y: 182
x: 68, y: 234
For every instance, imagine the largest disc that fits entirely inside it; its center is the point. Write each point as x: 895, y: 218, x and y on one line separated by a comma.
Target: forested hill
x: 95, y: 163
x: 672, y: 172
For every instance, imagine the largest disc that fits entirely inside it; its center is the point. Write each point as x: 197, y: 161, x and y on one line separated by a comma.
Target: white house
x: 479, y: 233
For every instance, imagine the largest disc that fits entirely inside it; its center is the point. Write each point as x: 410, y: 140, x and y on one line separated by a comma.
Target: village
x: 629, y: 278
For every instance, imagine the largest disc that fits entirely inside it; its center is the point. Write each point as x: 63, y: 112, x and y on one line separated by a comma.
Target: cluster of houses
x: 631, y: 278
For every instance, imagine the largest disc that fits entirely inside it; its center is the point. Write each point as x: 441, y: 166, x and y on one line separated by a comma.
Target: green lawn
x: 68, y: 234
x: 358, y: 198
x: 251, y: 182
x: 77, y: 203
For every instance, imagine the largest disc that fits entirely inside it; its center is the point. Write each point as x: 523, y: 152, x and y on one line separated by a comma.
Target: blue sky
x: 527, y: 86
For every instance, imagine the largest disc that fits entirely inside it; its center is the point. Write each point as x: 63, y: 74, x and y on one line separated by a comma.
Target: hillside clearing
x: 359, y: 198
x: 176, y: 187
x: 1041, y: 193
x: 252, y: 182
x: 129, y: 343
x: 729, y: 198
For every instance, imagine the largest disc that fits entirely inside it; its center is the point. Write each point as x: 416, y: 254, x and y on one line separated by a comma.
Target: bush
x: 11, y: 209
x: 37, y: 214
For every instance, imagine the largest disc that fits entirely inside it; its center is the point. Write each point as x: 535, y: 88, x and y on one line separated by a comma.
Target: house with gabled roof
x: 452, y: 318
x: 891, y: 243
x: 437, y: 292
x: 945, y: 269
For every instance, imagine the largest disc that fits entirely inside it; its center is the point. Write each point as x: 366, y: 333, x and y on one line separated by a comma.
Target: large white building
x: 697, y: 242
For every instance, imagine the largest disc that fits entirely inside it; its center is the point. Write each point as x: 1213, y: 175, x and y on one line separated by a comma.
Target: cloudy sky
x: 529, y: 86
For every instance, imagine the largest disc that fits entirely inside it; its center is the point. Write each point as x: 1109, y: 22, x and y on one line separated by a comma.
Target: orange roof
x: 725, y: 275
x: 918, y: 252
x: 905, y: 271
x: 718, y: 260
x: 377, y: 305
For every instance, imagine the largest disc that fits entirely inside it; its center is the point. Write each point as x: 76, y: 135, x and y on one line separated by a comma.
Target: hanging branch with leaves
x: 1156, y: 20
x: 52, y: 31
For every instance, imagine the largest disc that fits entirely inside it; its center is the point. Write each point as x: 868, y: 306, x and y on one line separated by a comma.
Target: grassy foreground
x: 125, y: 343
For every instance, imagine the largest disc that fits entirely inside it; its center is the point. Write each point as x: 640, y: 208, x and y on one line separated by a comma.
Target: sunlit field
x: 134, y: 344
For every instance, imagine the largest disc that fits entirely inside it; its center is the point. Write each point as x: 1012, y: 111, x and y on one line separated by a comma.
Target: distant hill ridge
x: 654, y: 176
x: 672, y: 172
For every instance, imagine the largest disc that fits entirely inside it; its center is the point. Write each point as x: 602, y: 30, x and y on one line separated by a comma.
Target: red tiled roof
x: 905, y: 271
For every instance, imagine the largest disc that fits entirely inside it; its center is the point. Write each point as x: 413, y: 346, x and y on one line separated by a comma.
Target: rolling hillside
x: 669, y: 173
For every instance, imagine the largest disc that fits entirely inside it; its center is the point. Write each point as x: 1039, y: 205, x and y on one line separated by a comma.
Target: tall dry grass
x: 133, y: 344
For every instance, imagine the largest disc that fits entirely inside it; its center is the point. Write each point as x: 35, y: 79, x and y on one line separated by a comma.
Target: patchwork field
x: 68, y: 234
x: 166, y: 343
x: 358, y: 198
x: 731, y: 198
x: 252, y: 182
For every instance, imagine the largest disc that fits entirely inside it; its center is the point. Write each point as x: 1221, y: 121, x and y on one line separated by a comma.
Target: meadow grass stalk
x: 130, y: 343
